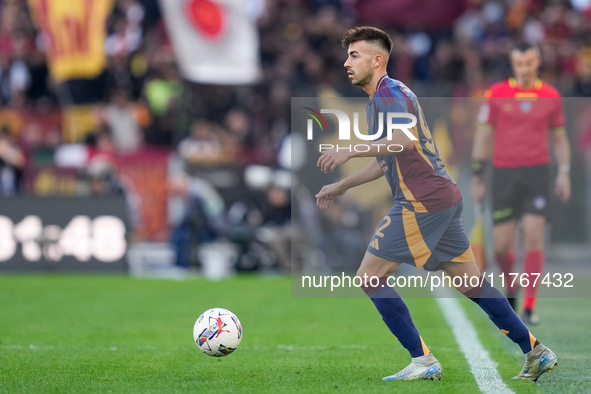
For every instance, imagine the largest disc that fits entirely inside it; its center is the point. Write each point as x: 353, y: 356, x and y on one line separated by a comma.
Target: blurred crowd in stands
x: 142, y: 91
x: 141, y: 101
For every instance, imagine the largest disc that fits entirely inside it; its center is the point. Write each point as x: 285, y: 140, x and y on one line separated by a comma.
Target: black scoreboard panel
x: 63, y: 234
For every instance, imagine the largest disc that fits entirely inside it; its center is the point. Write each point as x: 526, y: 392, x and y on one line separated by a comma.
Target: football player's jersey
x: 417, y: 177
x: 521, y: 121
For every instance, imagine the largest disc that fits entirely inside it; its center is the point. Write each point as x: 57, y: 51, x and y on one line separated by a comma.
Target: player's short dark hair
x: 367, y: 33
x: 524, y: 47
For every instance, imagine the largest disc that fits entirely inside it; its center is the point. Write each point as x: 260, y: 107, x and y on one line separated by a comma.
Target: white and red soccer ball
x: 217, y: 332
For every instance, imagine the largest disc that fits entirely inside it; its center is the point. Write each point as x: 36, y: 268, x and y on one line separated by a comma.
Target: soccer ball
x: 217, y: 332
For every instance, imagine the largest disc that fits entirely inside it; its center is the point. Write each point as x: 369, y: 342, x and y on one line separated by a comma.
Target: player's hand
x: 562, y: 188
x: 478, y: 189
x: 331, y: 159
x: 328, y: 193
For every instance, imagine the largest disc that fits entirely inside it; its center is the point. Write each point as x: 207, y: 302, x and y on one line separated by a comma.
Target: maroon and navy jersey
x: 417, y: 177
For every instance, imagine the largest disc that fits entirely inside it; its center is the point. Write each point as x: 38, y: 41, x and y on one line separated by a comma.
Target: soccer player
x: 517, y: 119
x: 423, y: 228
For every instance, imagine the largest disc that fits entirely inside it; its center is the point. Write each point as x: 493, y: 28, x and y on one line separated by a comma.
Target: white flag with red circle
x: 215, y: 41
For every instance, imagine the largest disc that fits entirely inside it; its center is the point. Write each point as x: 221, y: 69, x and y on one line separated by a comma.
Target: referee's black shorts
x: 517, y: 191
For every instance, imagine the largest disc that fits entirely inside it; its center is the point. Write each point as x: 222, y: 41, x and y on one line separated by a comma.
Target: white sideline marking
x: 482, y: 366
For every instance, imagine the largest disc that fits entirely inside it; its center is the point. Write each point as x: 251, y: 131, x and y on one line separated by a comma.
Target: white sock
x: 426, y: 359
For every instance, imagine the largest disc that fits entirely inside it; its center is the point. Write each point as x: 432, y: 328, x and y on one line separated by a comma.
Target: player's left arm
x: 326, y: 196
x: 562, y: 152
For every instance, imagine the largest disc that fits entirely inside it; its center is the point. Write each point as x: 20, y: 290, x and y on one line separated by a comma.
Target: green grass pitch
x: 77, y: 334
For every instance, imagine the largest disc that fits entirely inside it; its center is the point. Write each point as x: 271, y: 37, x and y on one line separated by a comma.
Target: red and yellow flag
x: 75, y: 33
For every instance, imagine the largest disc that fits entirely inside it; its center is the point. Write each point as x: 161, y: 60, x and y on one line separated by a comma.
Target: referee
x: 517, y: 120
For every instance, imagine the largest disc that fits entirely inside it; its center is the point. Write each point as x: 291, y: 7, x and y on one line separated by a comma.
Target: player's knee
x: 375, y: 286
x: 377, y: 268
x: 473, y: 292
x: 361, y: 272
x: 365, y: 278
x: 484, y: 289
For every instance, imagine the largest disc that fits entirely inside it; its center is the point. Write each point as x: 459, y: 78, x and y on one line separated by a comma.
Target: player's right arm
x: 328, y: 193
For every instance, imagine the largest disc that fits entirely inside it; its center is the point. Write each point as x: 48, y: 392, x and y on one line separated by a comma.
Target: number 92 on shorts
x: 424, y: 240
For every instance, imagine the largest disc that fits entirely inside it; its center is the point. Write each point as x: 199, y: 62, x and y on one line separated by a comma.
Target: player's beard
x: 361, y: 79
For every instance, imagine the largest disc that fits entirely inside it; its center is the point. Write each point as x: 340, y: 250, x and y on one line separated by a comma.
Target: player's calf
x: 499, y: 311
x: 397, y: 317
